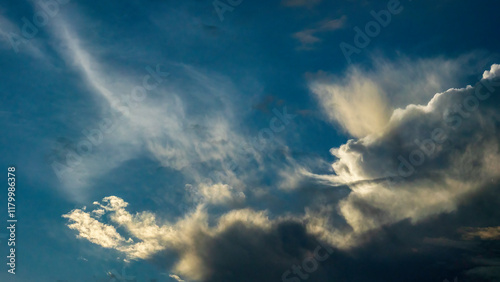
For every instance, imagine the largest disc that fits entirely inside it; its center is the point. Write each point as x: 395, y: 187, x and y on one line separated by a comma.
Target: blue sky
x: 158, y: 140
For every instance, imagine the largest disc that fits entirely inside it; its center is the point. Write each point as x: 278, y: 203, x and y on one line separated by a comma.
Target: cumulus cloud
x: 189, y: 237
x: 12, y: 39
x: 362, y: 101
x: 426, y: 159
x: 249, y: 246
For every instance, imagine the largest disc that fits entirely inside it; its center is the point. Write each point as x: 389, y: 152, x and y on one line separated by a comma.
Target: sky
x: 236, y: 140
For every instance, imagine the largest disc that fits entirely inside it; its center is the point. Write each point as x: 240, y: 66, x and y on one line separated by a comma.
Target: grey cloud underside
x: 401, y: 252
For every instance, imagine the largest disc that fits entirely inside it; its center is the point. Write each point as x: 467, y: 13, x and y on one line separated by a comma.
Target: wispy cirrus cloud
x: 169, y: 125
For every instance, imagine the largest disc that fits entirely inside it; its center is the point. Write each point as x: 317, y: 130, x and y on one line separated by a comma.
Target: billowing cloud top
x: 233, y: 141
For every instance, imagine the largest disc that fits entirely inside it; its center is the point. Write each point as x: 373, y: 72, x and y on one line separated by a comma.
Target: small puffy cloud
x: 308, y: 37
x: 487, y: 273
x: 359, y: 105
x: 220, y: 194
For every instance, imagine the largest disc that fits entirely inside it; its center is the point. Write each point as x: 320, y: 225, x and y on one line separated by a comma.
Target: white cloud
x: 463, y: 158
x: 425, y: 161
x: 182, y: 236
x: 175, y: 277
x: 359, y: 106
x: 362, y: 101
x: 308, y: 37
x: 484, y: 233
x: 184, y: 123
x: 220, y: 194
x: 300, y: 3
x: 93, y: 230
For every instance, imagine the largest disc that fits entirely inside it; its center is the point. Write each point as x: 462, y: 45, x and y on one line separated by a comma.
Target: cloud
x: 186, y: 123
x: 189, y: 236
x: 484, y: 233
x: 425, y: 161
x: 362, y: 101
x: 360, y: 107
x: 93, y: 230
x: 308, y: 37
x: 13, y: 40
x: 220, y: 194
